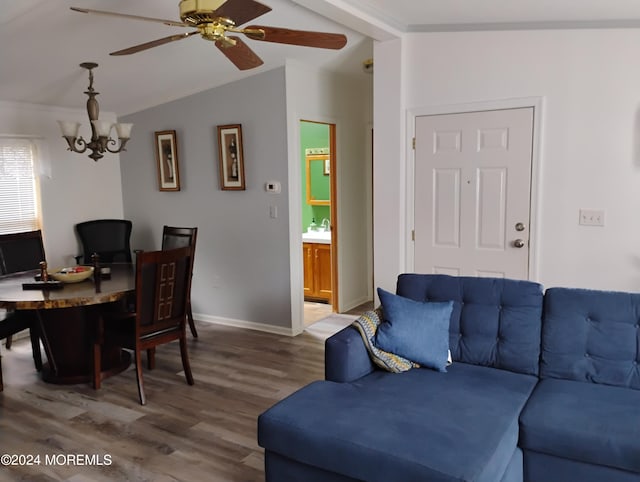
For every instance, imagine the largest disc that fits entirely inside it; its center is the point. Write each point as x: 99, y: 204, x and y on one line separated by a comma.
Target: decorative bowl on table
x: 73, y: 274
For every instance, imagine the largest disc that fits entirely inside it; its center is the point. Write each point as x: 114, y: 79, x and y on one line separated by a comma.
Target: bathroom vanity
x: 316, y: 248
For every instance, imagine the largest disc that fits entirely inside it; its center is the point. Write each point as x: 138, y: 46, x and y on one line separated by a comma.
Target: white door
x: 472, y: 193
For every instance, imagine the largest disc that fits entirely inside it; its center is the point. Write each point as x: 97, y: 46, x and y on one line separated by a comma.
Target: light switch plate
x: 591, y: 217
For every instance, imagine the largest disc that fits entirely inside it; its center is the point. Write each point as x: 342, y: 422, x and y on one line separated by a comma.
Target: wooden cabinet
x: 317, y: 271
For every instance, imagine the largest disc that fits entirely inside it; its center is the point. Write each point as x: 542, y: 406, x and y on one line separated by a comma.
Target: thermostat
x: 272, y: 186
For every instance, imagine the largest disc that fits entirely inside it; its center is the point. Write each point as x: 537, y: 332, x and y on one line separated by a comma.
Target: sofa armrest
x: 345, y: 356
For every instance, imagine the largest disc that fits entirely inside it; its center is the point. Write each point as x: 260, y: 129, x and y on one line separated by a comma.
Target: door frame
x: 537, y: 103
x: 295, y: 218
x: 333, y: 209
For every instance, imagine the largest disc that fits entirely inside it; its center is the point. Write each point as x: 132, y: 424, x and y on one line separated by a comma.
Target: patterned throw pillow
x: 367, y: 324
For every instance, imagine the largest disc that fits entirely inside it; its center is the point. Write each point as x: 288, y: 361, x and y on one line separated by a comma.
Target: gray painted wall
x: 242, y: 254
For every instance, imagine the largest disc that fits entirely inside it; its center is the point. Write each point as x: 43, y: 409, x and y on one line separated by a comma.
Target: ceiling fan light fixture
x: 216, y: 30
x: 195, y: 12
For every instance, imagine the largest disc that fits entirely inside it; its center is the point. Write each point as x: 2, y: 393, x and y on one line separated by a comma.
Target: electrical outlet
x: 591, y: 217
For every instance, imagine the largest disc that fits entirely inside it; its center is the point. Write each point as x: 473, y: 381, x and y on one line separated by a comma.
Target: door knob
x: 520, y: 226
x: 519, y: 243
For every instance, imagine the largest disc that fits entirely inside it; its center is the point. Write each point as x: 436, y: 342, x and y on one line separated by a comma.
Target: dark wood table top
x: 14, y: 297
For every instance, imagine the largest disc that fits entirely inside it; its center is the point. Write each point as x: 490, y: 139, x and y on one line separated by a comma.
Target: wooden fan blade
x: 297, y: 37
x: 153, y: 43
x: 240, y: 54
x: 172, y: 23
x: 241, y: 11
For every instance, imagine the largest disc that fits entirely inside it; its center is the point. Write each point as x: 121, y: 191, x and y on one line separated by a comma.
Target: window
x: 18, y: 186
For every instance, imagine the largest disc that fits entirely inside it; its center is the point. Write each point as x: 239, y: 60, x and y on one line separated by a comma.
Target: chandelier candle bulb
x: 103, y: 128
x: 69, y: 129
x: 124, y: 130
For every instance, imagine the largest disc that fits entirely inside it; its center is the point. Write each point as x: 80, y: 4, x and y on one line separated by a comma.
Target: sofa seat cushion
x: 417, y: 425
x: 586, y: 422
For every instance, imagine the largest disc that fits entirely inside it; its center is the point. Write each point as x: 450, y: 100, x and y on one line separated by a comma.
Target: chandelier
x: 101, y: 141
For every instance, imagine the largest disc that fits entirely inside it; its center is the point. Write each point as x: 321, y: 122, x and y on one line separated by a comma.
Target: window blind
x: 18, y: 190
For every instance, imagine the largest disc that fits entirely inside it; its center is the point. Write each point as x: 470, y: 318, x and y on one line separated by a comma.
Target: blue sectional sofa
x: 544, y: 387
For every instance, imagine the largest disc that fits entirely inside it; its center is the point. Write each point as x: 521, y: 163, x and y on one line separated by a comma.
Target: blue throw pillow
x: 418, y: 331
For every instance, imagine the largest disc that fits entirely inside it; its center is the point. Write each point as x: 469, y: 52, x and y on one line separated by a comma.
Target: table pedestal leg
x: 68, y: 335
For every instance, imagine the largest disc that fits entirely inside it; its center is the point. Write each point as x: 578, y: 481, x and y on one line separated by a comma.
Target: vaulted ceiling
x: 43, y: 42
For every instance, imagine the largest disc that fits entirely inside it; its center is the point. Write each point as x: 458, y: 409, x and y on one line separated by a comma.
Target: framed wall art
x: 231, y: 157
x: 167, y: 158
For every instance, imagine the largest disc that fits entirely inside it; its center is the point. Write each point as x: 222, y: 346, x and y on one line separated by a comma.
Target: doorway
x: 319, y: 219
x: 472, y: 193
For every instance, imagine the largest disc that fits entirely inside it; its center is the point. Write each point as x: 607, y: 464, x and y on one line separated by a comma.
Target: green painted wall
x: 313, y: 135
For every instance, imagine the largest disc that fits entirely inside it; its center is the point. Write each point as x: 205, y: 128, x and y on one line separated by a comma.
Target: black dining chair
x: 175, y: 237
x: 163, y: 284
x: 16, y: 322
x: 108, y: 238
x: 21, y: 252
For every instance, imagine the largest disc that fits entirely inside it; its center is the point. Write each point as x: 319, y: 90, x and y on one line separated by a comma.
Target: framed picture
x: 167, y: 157
x: 231, y: 157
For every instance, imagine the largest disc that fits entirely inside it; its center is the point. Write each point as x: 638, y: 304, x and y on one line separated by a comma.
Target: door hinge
x: 413, y: 235
x: 414, y: 143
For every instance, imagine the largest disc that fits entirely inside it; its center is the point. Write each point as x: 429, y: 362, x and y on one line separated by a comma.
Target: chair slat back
x: 163, y: 284
x: 174, y: 237
x: 21, y: 251
x: 109, y: 238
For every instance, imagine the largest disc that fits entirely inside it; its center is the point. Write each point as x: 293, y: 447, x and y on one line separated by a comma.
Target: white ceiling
x: 43, y: 41
x: 436, y: 15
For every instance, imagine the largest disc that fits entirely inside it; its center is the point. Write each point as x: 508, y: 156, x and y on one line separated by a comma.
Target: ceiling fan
x: 214, y: 18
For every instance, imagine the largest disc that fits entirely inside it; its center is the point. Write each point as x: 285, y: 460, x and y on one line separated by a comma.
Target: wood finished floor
x: 203, y: 432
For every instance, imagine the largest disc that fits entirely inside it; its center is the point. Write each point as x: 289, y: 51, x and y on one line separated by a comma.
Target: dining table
x: 68, y: 320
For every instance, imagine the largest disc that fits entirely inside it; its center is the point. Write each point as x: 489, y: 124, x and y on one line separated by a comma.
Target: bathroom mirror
x: 318, y: 180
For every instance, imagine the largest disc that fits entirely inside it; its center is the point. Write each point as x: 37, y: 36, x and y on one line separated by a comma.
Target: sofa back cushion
x: 495, y: 322
x: 591, y: 336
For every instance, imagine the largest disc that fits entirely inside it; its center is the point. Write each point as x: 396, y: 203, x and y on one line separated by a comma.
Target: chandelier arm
x: 80, y: 142
x: 113, y: 142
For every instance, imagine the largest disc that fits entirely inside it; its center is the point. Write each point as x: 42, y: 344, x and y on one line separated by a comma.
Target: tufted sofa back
x: 591, y: 336
x: 495, y: 322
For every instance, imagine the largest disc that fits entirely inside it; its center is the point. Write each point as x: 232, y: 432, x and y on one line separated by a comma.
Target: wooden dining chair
x: 174, y: 237
x: 163, y: 284
x: 109, y: 238
x: 21, y: 252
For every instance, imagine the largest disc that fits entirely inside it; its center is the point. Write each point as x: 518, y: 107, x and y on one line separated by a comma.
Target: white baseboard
x: 354, y: 303
x: 248, y: 325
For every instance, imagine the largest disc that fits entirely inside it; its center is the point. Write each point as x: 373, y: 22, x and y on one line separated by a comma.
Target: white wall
x: 388, y: 164
x: 589, y: 81
x: 78, y: 188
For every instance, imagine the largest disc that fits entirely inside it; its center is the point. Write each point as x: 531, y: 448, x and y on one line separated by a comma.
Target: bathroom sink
x: 317, y: 237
